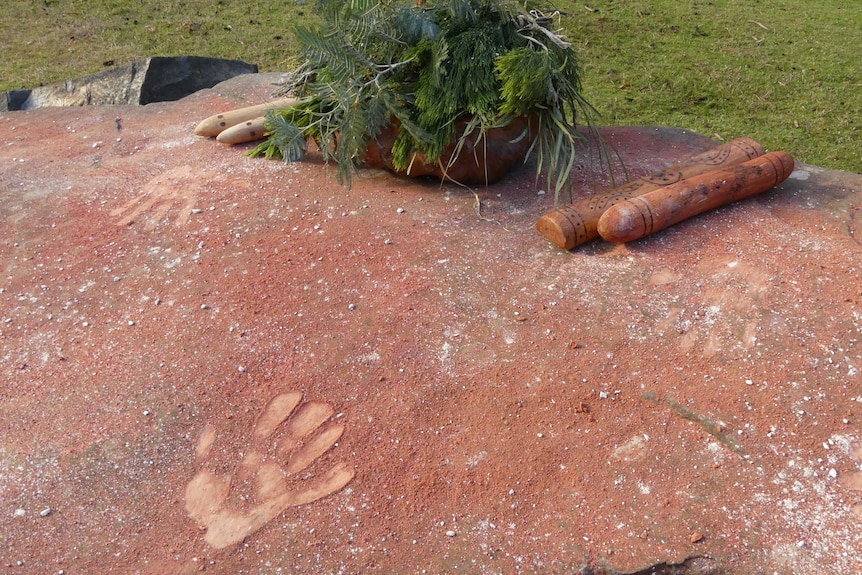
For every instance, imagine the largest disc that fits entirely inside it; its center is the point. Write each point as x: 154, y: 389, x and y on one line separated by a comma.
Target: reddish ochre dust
x: 498, y: 405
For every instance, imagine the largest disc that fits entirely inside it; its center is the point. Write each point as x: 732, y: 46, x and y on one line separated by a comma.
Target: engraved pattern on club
x: 306, y: 433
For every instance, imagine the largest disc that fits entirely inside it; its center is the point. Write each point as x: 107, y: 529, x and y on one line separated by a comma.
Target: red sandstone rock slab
x: 504, y: 406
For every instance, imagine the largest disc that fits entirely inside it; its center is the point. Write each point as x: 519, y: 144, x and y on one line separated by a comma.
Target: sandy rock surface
x: 215, y: 363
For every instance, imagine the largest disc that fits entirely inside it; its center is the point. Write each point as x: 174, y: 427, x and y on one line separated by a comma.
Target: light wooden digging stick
x: 215, y: 125
x: 247, y: 131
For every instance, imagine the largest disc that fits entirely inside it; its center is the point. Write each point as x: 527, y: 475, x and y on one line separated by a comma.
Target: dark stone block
x: 13, y: 99
x: 169, y: 79
x: 157, y: 79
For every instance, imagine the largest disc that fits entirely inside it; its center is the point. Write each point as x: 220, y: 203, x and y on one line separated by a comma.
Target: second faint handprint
x: 299, y: 433
x: 177, y: 186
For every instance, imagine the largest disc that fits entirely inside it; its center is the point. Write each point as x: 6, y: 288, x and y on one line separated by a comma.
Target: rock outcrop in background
x: 156, y: 79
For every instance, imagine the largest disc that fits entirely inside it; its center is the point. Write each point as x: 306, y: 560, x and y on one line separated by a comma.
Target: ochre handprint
x: 159, y: 195
x: 301, y: 435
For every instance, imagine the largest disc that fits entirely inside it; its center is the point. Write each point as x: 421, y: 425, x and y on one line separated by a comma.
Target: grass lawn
x: 786, y: 73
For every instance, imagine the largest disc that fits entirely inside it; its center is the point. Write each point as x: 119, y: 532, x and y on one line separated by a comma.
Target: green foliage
x: 431, y: 68
x: 288, y: 140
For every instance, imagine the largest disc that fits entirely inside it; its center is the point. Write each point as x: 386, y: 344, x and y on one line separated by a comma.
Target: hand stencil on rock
x: 298, y: 435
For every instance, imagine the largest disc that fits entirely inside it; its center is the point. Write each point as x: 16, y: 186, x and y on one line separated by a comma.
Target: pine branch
x: 428, y: 67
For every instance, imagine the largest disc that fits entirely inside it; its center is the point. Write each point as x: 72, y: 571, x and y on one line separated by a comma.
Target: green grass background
x: 786, y: 73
